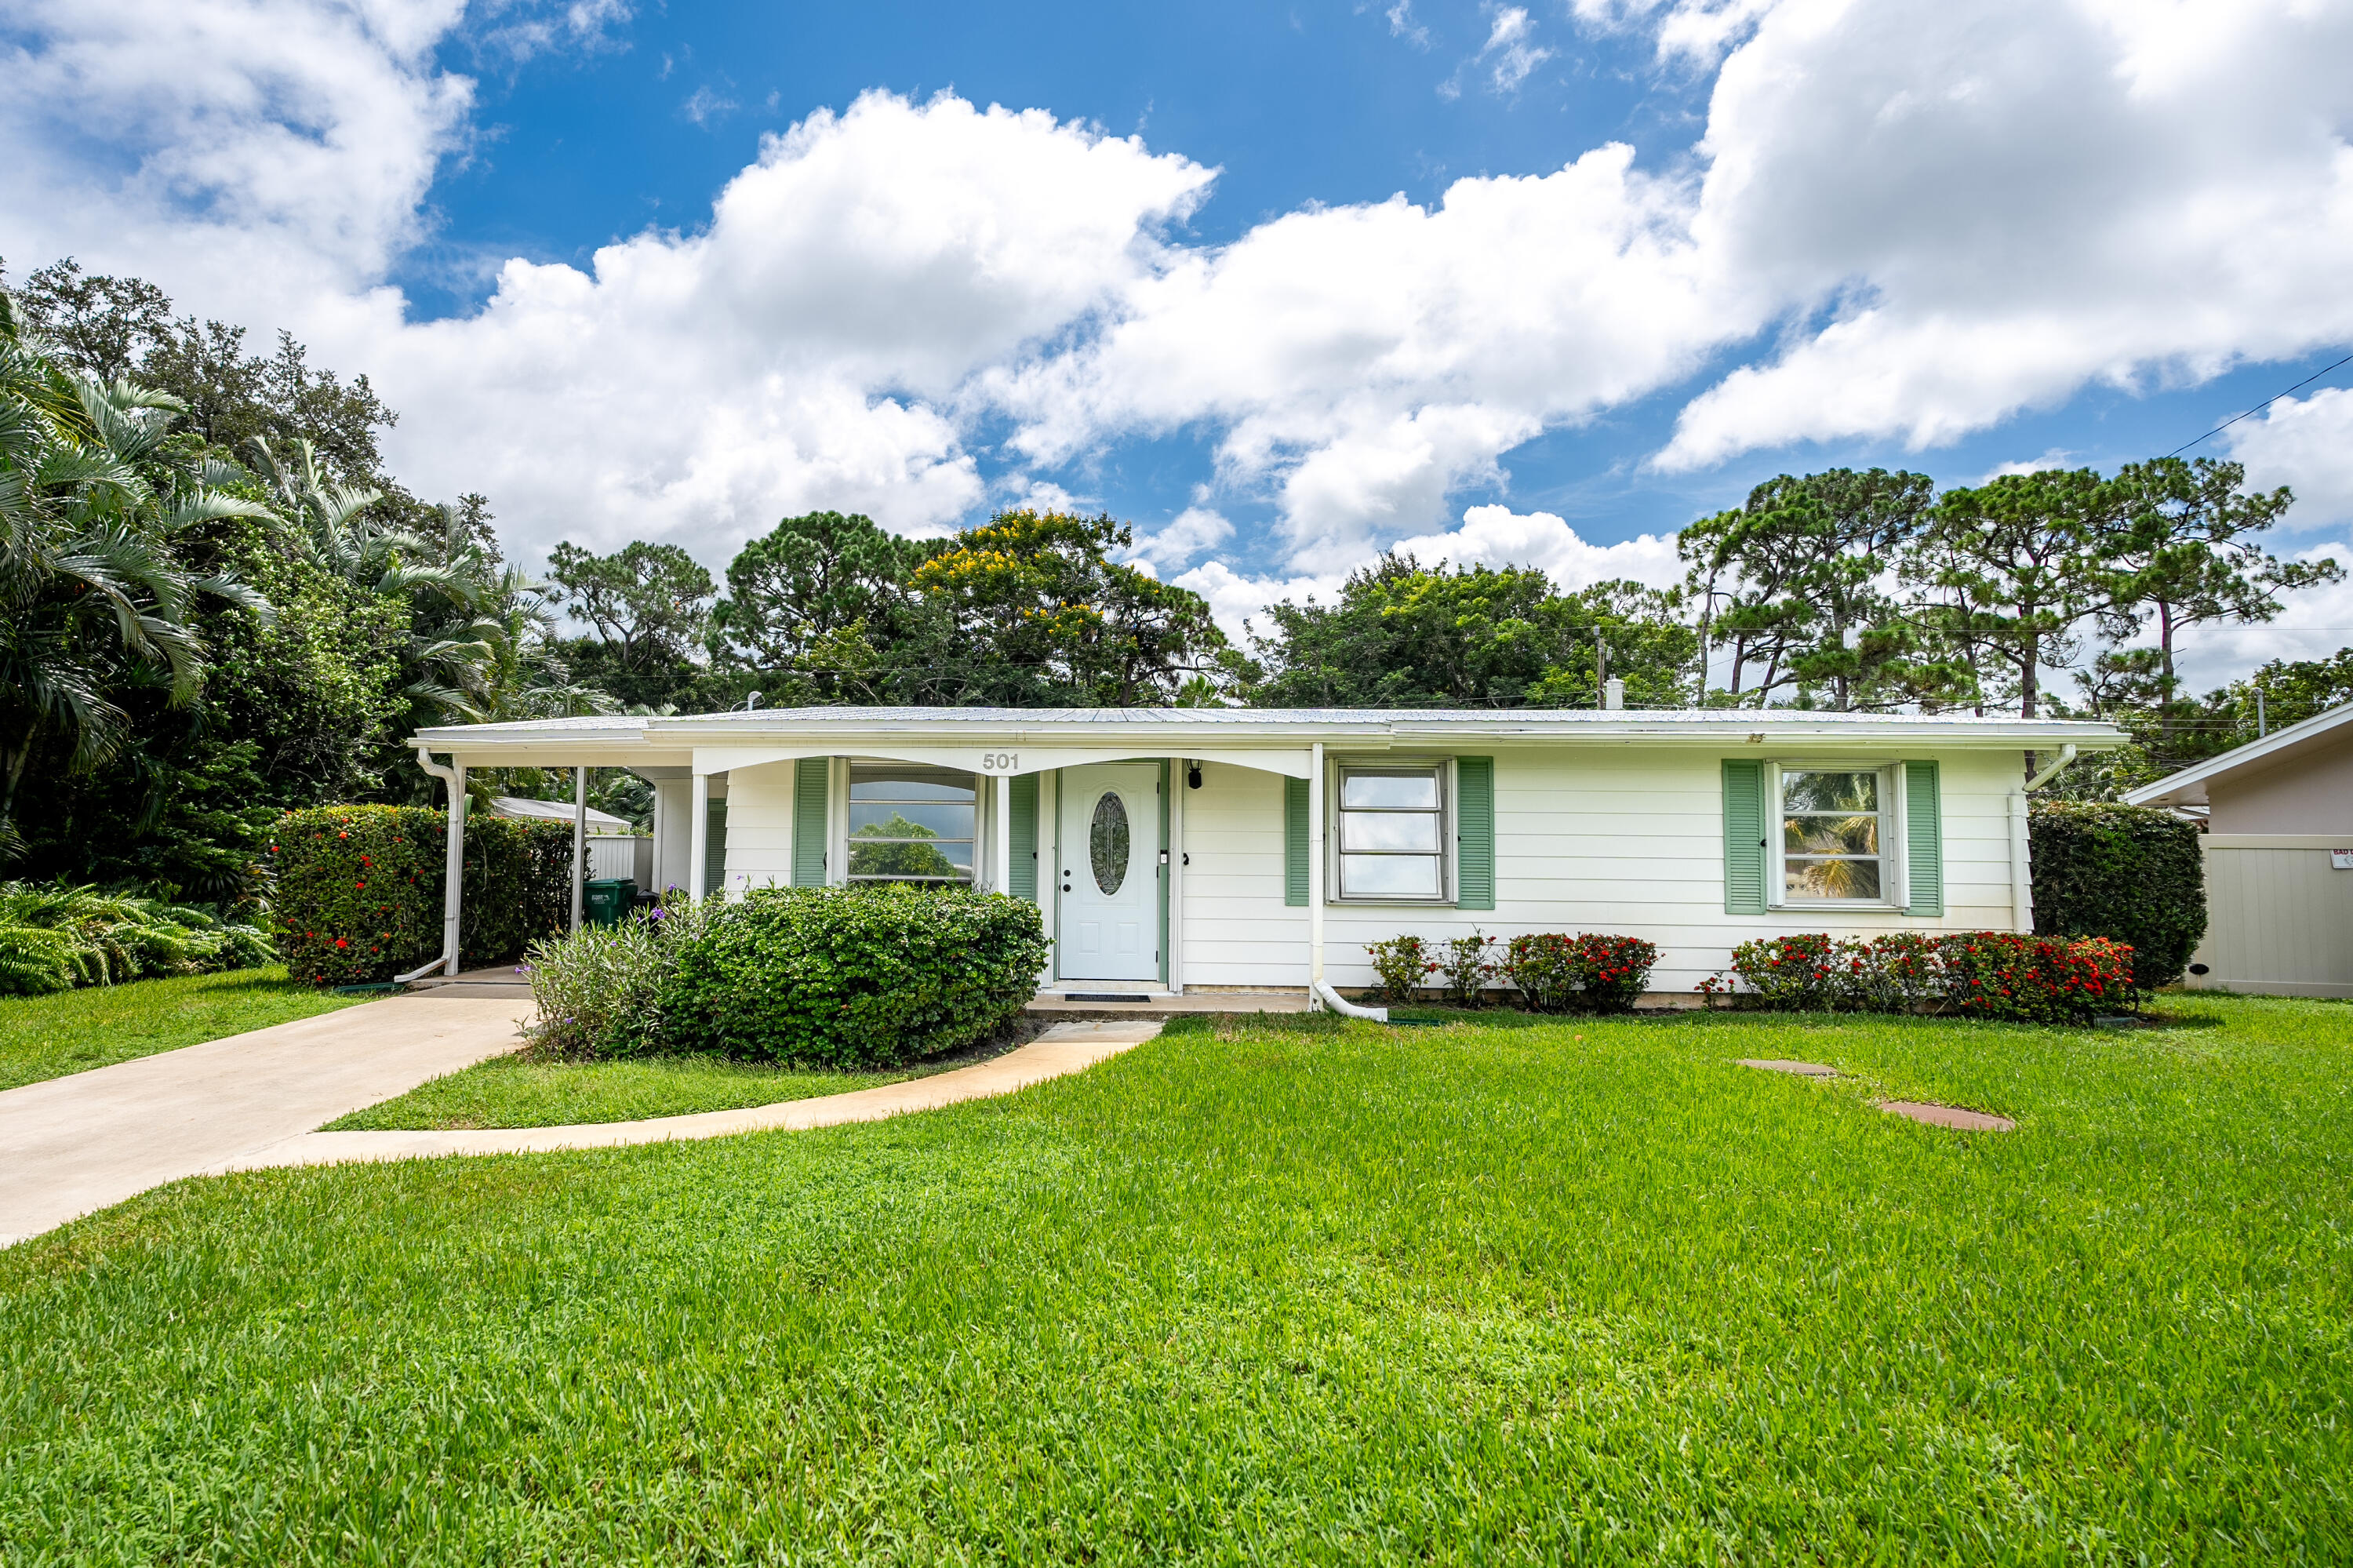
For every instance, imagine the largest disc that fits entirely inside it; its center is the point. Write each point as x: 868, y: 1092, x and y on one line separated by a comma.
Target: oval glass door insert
x: 1107, y: 842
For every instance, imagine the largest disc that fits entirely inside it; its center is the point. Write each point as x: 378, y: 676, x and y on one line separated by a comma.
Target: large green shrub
x: 357, y: 893
x: 2130, y: 872
x: 854, y: 977
x: 54, y: 938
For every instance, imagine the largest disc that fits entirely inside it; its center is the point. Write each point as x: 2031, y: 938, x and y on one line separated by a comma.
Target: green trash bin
x: 606, y: 899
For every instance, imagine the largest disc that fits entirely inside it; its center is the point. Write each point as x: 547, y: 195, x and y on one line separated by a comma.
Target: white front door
x: 1110, y: 865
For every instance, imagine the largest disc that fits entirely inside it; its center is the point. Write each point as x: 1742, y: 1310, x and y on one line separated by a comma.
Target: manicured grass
x: 1288, y: 1292
x: 517, y: 1091
x: 74, y: 1031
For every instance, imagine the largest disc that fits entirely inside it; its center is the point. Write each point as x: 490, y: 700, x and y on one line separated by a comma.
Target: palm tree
x: 95, y: 593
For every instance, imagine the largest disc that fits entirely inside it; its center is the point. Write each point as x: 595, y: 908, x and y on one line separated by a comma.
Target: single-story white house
x: 2278, y: 814
x: 1174, y: 850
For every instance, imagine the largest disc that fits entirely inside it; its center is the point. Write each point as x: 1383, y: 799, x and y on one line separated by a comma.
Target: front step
x: 1092, y: 1002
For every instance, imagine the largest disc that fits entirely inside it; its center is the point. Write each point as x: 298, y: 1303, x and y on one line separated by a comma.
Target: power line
x: 2258, y: 407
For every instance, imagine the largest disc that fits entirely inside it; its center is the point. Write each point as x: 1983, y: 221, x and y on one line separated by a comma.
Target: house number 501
x: 999, y: 761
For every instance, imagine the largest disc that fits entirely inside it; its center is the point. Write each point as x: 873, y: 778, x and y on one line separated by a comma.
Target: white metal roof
x: 558, y: 812
x: 668, y: 738
x: 2187, y: 788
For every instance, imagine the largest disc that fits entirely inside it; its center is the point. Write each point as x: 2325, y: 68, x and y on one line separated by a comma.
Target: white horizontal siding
x: 759, y: 826
x: 1624, y: 839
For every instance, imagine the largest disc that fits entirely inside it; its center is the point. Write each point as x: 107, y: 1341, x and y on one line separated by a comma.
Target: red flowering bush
x: 1401, y: 963
x: 1586, y: 972
x: 2036, y: 979
x: 357, y: 889
x: 1980, y: 974
x: 1789, y: 974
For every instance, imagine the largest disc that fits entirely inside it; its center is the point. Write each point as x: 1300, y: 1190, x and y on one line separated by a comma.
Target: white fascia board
x: 2187, y: 788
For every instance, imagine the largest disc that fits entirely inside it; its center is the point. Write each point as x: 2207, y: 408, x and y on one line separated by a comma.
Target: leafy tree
x: 1796, y: 582
x: 2182, y: 551
x: 823, y: 601
x: 2009, y: 569
x: 1405, y: 635
x: 1037, y: 614
x: 650, y: 603
x: 99, y: 577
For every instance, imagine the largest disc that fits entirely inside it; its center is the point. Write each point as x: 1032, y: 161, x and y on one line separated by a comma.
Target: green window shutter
x: 1923, y: 840
x: 1744, y: 837
x: 1023, y: 871
x: 714, y: 862
x: 1294, y: 842
x: 1474, y: 832
x: 809, y: 821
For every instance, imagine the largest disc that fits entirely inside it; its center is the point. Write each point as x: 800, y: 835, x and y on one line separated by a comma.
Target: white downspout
x: 454, y: 872
x: 2021, y: 882
x: 2067, y: 756
x: 698, y: 843
x: 1317, y: 990
x: 579, y: 842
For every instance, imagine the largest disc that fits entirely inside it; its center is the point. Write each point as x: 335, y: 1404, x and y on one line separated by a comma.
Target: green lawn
x: 516, y: 1091
x: 1307, y: 1292
x: 74, y: 1031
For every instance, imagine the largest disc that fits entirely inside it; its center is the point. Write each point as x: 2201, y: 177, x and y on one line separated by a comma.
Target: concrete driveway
x: 78, y: 1143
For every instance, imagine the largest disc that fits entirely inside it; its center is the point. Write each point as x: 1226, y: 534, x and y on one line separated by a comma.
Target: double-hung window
x: 912, y: 824
x: 1837, y: 830
x: 1392, y: 831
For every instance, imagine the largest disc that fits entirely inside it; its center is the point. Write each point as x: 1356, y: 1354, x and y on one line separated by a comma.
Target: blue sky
x: 639, y: 270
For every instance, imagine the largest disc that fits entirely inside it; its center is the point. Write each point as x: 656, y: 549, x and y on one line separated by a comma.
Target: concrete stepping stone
x: 1947, y: 1116
x: 1803, y: 1069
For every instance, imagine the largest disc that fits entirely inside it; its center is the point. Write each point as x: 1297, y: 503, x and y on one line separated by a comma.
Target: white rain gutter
x: 2066, y: 758
x: 454, y: 877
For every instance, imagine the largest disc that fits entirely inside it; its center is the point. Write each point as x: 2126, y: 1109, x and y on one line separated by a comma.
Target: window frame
x: 847, y: 840
x: 1339, y: 770
x: 1892, y: 873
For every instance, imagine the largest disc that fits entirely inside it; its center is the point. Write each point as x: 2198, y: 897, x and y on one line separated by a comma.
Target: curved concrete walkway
x: 1063, y: 1049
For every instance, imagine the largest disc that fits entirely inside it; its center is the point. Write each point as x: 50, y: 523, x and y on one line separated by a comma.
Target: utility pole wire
x: 2258, y: 407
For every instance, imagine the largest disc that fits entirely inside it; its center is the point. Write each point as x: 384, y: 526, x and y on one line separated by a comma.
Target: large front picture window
x: 1834, y: 836
x: 911, y: 825
x: 1392, y: 822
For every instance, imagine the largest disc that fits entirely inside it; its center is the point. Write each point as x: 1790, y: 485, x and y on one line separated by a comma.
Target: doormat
x: 1102, y: 996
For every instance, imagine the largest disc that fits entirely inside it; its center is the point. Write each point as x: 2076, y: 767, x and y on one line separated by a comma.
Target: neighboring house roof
x: 640, y: 740
x: 2187, y: 788
x: 558, y: 812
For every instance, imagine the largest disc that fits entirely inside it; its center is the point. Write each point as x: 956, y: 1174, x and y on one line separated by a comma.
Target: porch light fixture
x: 1192, y: 776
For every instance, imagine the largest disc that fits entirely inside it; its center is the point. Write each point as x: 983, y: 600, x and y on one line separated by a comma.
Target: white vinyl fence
x: 623, y: 856
x: 2279, y: 915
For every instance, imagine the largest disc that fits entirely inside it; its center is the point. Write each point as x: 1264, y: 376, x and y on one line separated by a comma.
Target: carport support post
x: 697, y: 842
x: 453, y: 874
x: 1315, y: 872
x: 579, y: 840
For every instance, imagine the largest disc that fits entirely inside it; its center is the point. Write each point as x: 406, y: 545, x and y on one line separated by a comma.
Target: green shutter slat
x: 1744, y: 837
x: 1294, y: 842
x: 1923, y: 840
x: 1023, y: 872
x: 715, y: 864
x: 809, y: 819
x: 1474, y: 832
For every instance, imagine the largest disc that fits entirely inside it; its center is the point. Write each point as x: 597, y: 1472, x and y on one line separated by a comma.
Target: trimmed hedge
x: 853, y: 977
x: 357, y: 893
x: 1584, y: 973
x: 2133, y: 874
x: 1980, y: 974
x: 54, y: 938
